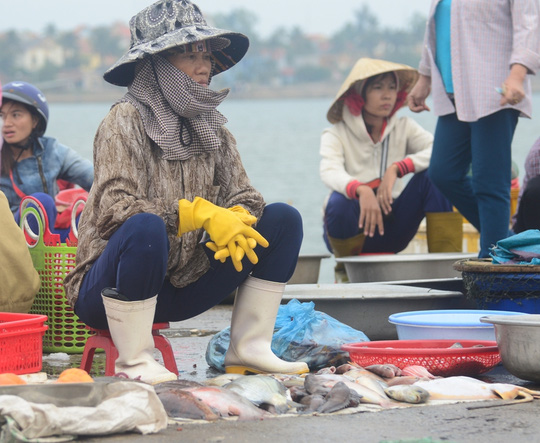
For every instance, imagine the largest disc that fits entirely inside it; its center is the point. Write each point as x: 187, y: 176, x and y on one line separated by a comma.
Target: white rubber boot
x: 252, y: 328
x: 130, y: 325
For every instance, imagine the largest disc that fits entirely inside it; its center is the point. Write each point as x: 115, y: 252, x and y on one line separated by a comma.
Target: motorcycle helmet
x: 28, y: 94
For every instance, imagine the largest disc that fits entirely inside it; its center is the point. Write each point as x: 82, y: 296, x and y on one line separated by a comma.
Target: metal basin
x: 388, y: 267
x: 60, y: 394
x: 366, y: 307
x: 307, y: 269
x: 518, y: 339
x: 443, y: 284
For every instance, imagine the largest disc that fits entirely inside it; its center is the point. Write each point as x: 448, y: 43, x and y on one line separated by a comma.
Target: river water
x: 279, y: 143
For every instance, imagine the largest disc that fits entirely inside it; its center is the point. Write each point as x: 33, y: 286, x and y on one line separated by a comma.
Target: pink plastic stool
x: 102, y: 340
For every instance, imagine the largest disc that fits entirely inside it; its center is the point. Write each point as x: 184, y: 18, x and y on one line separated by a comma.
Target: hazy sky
x: 312, y: 16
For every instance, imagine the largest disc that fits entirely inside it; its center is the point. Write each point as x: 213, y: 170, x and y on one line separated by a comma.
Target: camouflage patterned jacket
x: 131, y: 177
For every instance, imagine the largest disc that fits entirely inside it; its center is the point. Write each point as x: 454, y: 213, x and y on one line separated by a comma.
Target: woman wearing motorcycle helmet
x: 31, y: 162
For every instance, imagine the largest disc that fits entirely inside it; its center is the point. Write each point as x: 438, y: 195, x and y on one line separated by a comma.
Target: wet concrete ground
x: 449, y: 423
x: 189, y: 340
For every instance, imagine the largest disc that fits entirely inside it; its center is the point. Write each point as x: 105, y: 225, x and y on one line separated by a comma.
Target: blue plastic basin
x: 454, y: 324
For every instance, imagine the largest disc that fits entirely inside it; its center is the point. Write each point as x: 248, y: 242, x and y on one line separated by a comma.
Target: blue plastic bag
x: 300, y: 334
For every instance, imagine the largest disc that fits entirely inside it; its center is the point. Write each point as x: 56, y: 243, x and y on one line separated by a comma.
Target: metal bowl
x: 307, y: 269
x: 387, y: 267
x: 518, y: 339
x: 366, y: 306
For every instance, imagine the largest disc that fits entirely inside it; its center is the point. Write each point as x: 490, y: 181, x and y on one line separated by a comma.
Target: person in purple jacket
x: 476, y: 60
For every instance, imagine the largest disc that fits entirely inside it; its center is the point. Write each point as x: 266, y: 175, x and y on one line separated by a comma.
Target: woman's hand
x: 384, y: 193
x: 512, y: 88
x: 416, y: 100
x: 370, y: 212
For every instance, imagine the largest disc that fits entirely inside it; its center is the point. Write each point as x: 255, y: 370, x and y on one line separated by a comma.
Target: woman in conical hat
x: 172, y: 225
x: 366, y: 153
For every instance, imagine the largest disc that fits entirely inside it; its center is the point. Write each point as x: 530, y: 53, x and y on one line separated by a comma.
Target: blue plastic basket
x: 525, y: 305
x: 501, y: 286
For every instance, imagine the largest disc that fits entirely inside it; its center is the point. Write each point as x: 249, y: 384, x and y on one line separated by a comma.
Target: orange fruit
x: 11, y: 379
x: 74, y: 375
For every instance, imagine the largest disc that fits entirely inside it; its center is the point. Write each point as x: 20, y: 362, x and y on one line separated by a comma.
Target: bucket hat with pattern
x: 167, y: 24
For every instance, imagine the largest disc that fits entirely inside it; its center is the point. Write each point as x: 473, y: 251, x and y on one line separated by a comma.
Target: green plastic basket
x: 66, y: 332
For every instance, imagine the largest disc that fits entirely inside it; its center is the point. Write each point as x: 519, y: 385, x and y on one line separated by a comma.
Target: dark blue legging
x: 484, y: 197
x: 135, y: 262
x: 419, y: 197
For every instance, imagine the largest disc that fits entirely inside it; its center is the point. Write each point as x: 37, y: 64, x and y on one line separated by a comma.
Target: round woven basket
x: 501, y: 286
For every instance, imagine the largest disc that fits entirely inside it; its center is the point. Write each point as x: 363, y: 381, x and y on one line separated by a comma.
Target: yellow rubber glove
x: 223, y: 226
x: 236, y: 251
x: 244, y: 215
x: 223, y: 252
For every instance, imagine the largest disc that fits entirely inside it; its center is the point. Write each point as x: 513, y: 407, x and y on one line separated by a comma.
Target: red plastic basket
x: 21, y: 342
x: 437, y: 356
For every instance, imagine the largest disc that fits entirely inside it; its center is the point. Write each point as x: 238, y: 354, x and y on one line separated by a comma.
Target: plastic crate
x: 66, y: 333
x: 21, y: 335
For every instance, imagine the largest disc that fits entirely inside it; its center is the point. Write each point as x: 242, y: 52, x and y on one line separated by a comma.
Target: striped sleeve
x: 355, y: 184
x: 405, y: 166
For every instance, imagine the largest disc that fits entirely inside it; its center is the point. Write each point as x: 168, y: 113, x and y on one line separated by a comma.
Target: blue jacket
x: 51, y: 161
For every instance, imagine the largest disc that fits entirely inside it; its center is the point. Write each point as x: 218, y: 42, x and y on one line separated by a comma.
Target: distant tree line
x: 287, y: 56
x: 315, y: 60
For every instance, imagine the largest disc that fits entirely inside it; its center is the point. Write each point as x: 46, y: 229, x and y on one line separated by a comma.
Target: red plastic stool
x: 102, y: 340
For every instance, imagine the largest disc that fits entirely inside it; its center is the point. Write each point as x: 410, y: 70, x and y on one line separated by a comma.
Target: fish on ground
x: 312, y: 402
x: 468, y: 388
x: 403, y: 380
x: 339, y: 397
x: 222, y: 379
x: 297, y: 393
x: 290, y: 380
x: 263, y: 391
x: 361, y: 372
x: 375, y: 385
x: 417, y: 371
x: 183, y: 404
x: 345, y: 367
x: 322, y: 383
x: 318, y: 384
x: 228, y: 403
x: 386, y: 370
x: 327, y: 370
x: 407, y: 393
x: 327, y: 399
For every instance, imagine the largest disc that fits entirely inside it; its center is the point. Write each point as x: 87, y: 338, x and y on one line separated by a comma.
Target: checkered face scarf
x: 178, y: 114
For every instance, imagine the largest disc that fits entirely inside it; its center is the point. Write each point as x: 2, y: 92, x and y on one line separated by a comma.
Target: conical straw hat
x: 362, y: 70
